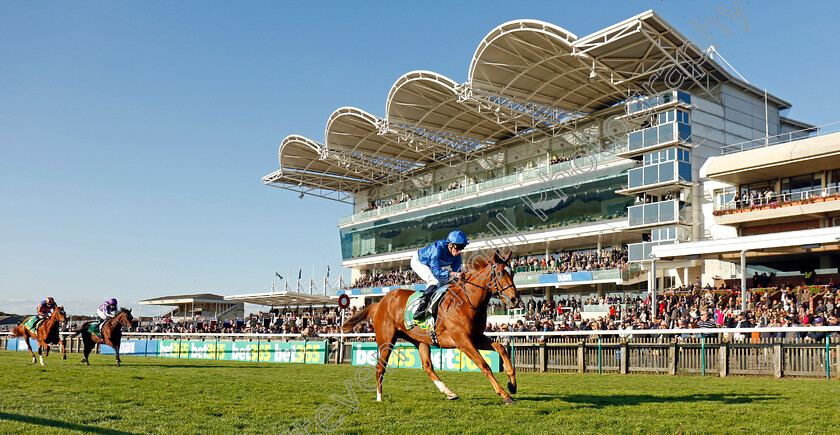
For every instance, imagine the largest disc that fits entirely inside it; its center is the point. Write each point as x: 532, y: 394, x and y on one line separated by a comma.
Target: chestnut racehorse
x: 47, y: 333
x: 111, y: 333
x: 461, y: 320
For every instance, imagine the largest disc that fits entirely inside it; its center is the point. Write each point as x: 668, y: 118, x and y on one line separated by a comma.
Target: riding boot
x: 420, y: 313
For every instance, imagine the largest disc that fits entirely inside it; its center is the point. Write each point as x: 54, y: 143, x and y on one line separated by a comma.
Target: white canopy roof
x: 526, y: 77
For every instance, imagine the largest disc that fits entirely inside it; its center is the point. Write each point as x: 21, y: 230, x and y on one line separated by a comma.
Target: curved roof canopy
x: 354, y: 132
x: 525, y: 76
x: 536, y: 61
x: 308, y: 167
x: 429, y: 102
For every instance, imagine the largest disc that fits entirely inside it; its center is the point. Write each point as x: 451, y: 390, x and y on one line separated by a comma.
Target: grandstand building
x: 618, y: 155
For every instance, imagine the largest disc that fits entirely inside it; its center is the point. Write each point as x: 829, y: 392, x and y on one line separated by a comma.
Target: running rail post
x: 341, y: 341
x: 743, y: 280
x: 703, y: 354
x: 828, y: 356
x: 599, y: 355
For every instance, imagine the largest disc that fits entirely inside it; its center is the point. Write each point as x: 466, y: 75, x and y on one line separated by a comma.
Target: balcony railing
x: 661, y: 134
x: 764, y: 201
x: 529, y: 174
x: 670, y: 171
x: 663, y: 212
x: 641, y: 251
x: 781, y: 138
x: 653, y: 102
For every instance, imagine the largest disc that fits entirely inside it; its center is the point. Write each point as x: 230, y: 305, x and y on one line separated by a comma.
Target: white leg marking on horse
x: 42, y: 359
x: 378, y: 396
x: 442, y: 387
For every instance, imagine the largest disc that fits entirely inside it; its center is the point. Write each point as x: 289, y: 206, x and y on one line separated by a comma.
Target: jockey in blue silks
x: 45, y: 308
x: 429, y: 262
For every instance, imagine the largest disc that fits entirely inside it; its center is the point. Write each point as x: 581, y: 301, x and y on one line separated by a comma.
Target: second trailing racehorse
x: 461, y: 320
x: 111, y: 333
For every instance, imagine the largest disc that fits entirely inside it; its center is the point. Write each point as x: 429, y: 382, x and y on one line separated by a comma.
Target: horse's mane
x: 478, y: 263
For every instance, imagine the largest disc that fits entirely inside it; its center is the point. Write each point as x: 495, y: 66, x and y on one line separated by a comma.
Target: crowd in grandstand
x: 684, y: 308
x: 559, y: 159
x: 385, y: 279
x: 695, y: 307
x: 384, y: 203
x: 558, y: 262
x: 562, y: 262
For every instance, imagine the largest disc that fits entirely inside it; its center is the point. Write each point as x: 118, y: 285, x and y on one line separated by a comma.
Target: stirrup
x: 419, y: 315
x: 433, y: 336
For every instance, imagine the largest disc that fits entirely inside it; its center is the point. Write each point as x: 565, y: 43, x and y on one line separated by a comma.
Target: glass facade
x: 661, y: 173
x: 652, y: 102
x: 641, y: 251
x: 672, y: 130
x: 663, y: 212
x: 590, y: 201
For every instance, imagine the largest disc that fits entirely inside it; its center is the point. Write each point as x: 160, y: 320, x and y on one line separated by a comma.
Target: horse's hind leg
x: 486, y: 343
x: 63, y: 349
x: 117, y: 354
x: 41, y: 352
x: 87, y: 347
x: 385, y: 334
x: 426, y: 360
x: 29, y: 346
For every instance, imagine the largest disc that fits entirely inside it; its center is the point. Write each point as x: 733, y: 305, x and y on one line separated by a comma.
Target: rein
x: 493, y: 278
x: 115, y: 321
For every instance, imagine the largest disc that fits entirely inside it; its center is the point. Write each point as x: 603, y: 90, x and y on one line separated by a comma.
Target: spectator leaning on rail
x: 429, y: 262
x: 705, y: 322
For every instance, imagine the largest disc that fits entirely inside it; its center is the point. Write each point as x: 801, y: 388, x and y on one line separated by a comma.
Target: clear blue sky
x: 133, y: 135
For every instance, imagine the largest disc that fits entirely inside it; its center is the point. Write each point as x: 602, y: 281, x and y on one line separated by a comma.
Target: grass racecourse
x: 171, y: 396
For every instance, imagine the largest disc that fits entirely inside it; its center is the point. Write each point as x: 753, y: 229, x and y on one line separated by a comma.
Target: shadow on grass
x: 58, y: 424
x: 635, y: 399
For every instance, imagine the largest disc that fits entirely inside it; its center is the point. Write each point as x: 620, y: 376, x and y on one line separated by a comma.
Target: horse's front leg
x: 486, y: 343
x: 117, y: 353
x: 469, y: 349
x: 426, y: 360
x: 63, y: 349
x: 41, y: 352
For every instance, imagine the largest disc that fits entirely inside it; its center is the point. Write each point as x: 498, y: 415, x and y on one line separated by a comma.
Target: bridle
x: 494, y: 278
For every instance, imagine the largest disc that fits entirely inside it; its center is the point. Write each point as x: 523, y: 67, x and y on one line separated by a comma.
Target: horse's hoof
x: 508, y: 401
x: 63, y: 356
x: 451, y: 396
x: 511, y: 388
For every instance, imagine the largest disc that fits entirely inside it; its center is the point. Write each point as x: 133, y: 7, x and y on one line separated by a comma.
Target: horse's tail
x: 361, y: 316
x: 78, y: 332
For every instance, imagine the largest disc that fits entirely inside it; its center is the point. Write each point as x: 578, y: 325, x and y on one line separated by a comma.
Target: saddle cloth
x: 32, y: 323
x: 428, y: 322
x: 93, y: 328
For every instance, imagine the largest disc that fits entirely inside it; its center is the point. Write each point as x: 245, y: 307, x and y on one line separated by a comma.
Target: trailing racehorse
x: 461, y: 320
x: 47, y: 333
x: 111, y: 332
